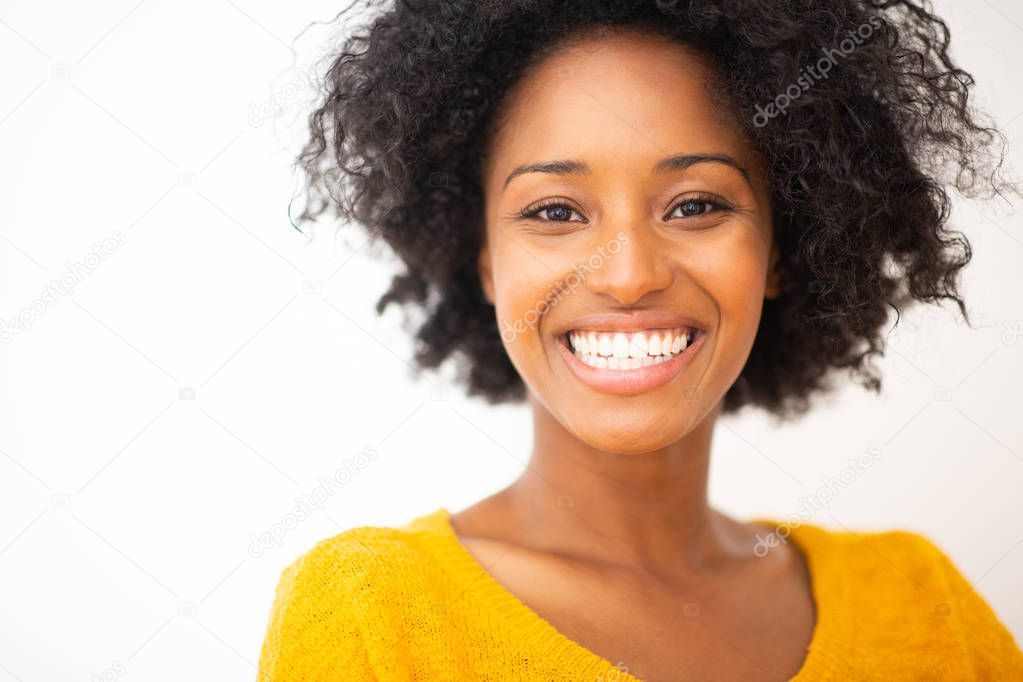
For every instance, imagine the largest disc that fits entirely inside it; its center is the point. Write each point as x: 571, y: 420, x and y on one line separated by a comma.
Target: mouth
x: 622, y: 352
x: 628, y: 363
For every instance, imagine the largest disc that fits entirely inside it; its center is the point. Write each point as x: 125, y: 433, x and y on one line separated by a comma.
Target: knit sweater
x: 411, y: 603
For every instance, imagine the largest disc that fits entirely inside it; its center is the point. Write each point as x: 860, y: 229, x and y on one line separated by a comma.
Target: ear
x: 772, y: 289
x: 485, y: 270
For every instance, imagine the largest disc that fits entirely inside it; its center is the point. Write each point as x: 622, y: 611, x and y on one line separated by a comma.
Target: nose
x: 636, y: 263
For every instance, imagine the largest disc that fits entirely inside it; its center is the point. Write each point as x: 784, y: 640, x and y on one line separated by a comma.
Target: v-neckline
x: 809, y: 539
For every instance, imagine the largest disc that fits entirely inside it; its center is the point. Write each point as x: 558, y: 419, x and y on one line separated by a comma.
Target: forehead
x: 618, y: 98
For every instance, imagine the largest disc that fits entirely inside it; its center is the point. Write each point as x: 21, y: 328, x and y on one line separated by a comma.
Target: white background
x: 205, y: 373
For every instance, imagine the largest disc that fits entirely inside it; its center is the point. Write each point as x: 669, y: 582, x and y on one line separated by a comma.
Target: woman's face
x: 624, y: 210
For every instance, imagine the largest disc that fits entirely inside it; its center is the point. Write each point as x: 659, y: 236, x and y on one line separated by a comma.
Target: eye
x: 554, y: 211
x: 694, y: 207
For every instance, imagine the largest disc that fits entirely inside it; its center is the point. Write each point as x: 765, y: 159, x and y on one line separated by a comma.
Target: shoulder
x: 897, y: 565
x: 367, y: 562
x: 908, y: 588
x: 330, y: 597
x: 901, y: 558
x: 357, y: 554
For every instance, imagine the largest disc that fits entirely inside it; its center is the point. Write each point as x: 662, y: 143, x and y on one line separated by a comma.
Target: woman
x: 639, y: 216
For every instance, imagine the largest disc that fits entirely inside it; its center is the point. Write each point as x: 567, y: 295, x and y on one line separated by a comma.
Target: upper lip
x: 633, y: 321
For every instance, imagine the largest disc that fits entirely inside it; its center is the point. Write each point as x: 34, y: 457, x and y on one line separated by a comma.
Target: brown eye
x: 553, y: 212
x: 694, y: 207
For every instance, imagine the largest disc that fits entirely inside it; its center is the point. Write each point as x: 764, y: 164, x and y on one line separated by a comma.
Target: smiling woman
x: 682, y: 191
x: 594, y: 219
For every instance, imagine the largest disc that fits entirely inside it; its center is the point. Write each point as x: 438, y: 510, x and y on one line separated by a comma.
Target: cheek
x: 733, y: 274
x: 524, y: 289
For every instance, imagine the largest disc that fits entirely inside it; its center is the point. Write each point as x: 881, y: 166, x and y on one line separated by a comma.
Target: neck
x: 649, y: 508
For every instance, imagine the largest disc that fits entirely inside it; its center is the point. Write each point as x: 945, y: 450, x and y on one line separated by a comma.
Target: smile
x: 620, y: 351
x: 629, y: 363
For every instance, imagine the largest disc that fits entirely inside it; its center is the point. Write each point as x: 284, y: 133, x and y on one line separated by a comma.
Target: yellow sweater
x: 411, y: 603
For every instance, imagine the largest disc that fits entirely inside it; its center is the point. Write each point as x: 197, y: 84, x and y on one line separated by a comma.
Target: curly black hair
x: 858, y: 159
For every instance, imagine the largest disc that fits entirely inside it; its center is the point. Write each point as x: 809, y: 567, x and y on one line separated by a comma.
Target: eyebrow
x: 672, y: 163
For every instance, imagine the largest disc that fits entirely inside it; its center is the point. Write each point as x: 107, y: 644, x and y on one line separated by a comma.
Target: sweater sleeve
x: 313, y: 633
x: 990, y: 646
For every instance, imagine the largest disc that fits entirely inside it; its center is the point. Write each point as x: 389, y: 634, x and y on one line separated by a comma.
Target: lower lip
x: 630, y: 381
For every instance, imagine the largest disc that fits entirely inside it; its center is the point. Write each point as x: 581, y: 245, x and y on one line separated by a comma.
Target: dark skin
x: 608, y: 534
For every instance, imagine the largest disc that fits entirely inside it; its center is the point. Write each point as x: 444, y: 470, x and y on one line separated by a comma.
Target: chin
x: 634, y: 430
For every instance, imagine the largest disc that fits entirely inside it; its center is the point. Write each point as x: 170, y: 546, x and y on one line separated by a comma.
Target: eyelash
x: 713, y: 202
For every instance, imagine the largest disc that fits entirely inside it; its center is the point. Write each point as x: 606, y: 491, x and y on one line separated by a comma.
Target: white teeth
x: 637, y: 346
x: 621, y: 345
x: 654, y: 346
x: 622, y: 351
x: 581, y: 344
